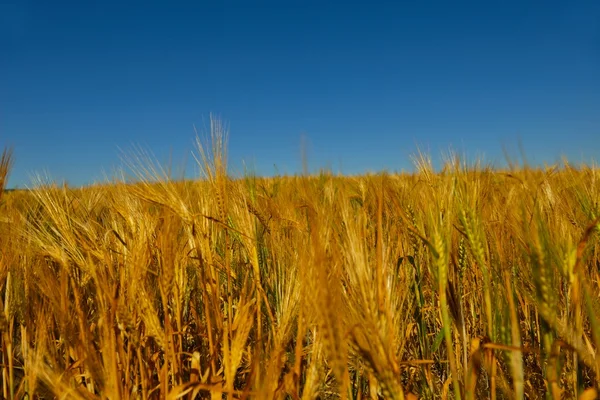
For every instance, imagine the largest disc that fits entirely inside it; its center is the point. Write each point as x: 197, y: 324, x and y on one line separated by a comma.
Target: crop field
x: 464, y: 283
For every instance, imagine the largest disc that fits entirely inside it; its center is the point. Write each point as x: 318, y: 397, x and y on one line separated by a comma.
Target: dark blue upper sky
x: 365, y: 82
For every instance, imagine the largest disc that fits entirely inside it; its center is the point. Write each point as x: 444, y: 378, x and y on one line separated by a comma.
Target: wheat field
x: 465, y: 283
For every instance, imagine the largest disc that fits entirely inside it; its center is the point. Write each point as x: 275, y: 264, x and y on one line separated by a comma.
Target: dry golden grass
x: 469, y: 283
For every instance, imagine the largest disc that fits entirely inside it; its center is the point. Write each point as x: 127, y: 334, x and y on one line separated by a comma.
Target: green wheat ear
x: 475, y: 237
x: 414, y: 240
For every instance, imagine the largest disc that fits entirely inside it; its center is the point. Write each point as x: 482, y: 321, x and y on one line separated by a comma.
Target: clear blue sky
x: 366, y: 82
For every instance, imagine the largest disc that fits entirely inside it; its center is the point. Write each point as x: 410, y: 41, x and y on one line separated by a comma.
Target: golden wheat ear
x: 6, y: 162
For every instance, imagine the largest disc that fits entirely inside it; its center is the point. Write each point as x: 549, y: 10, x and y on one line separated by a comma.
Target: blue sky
x: 365, y: 82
